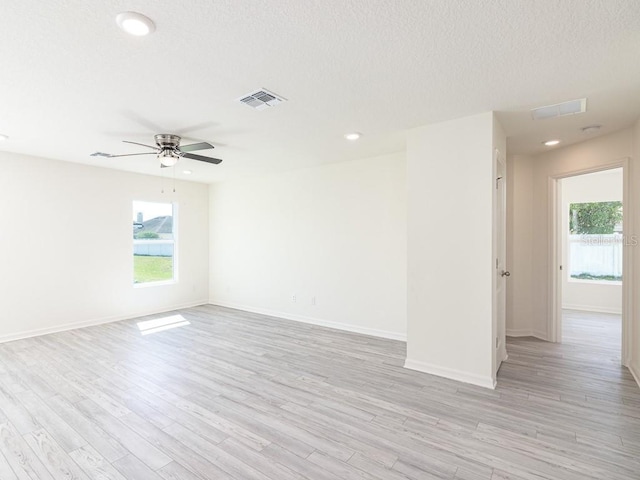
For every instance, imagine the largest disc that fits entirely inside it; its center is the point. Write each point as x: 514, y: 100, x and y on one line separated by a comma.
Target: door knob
x: 505, y: 273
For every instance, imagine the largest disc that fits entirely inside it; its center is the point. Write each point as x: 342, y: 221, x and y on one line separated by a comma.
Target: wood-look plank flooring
x: 600, y: 332
x: 235, y: 395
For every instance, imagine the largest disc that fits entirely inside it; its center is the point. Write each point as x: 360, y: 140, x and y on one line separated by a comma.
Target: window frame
x: 173, y: 242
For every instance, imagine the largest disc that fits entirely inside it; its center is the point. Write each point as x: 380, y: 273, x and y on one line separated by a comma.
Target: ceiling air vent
x: 261, y: 99
x: 560, y: 109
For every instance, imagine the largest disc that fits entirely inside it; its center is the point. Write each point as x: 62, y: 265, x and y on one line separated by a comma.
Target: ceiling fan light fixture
x: 168, y: 158
x: 135, y: 23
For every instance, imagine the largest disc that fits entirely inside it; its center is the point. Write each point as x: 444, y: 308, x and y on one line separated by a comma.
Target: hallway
x: 581, y: 401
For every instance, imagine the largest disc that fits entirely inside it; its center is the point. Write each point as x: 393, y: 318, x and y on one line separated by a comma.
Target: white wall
x: 450, y: 258
x: 585, y: 294
x: 336, y: 233
x: 66, y: 245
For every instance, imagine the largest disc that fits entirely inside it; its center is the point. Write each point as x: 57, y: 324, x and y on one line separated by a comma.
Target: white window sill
x: 154, y: 284
x: 594, y: 282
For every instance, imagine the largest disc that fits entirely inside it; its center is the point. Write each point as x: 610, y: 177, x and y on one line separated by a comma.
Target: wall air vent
x: 560, y: 109
x: 261, y: 99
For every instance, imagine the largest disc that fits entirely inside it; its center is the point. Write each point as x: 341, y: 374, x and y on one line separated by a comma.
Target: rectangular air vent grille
x: 560, y: 109
x: 261, y: 99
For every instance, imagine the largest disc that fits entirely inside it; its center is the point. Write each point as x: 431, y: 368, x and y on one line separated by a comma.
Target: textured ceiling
x: 72, y: 83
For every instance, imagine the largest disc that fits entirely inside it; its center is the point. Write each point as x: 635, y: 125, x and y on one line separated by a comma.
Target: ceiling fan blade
x: 195, y: 146
x: 109, y: 155
x: 201, y: 158
x: 141, y: 144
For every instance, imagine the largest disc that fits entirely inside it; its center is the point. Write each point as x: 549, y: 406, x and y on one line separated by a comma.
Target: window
x: 595, y: 241
x: 154, y: 242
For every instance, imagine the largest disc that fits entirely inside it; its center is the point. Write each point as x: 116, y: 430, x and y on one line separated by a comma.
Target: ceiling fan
x: 168, y: 150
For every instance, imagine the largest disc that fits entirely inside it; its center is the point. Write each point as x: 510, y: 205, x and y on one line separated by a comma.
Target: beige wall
x: 67, y: 252
x: 334, y: 236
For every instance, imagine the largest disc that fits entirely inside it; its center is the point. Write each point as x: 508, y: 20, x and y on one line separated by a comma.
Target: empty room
x: 289, y: 240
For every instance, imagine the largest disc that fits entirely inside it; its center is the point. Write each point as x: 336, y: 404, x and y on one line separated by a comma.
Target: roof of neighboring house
x: 158, y: 225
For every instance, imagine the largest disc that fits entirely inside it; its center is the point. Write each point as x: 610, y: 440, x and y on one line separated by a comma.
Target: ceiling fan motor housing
x: 167, y: 140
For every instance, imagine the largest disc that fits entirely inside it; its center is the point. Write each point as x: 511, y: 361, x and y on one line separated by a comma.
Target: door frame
x: 554, y: 327
x: 499, y: 347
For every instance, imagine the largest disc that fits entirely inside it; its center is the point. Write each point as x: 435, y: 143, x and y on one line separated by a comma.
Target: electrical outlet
x: 294, y: 298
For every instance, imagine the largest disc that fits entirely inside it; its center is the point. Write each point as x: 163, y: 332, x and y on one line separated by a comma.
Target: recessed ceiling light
x: 187, y: 172
x: 551, y: 143
x: 3, y: 138
x: 135, y: 23
x: 353, y: 136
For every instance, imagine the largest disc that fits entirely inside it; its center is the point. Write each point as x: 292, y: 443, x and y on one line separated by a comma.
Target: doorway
x: 590, y: 295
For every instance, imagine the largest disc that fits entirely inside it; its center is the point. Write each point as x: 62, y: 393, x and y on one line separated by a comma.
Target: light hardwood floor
x: 242, y: 396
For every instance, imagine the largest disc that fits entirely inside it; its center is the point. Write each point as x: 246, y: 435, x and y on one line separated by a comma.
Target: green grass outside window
x: 152, y: 269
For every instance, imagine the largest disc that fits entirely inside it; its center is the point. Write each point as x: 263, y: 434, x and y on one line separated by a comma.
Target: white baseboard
x: 453, y: 374
x: 519, y: 332
x: 635, y: 372
x: 592, y: 308
x: 524, y: 332
x: 90, y: 323
x: 348, y: 327
x: 505, y: 355
x: 540, y: 334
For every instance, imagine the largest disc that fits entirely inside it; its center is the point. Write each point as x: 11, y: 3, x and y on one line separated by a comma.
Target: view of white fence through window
x: 596, y: 241
x: 596, y: 257
x: 153, y: 242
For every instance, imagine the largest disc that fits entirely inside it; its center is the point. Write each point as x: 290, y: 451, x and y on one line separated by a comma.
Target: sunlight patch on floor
x: 160, y: 324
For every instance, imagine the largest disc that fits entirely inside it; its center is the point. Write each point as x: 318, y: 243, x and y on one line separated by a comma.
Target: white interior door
x: 501, y: 273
